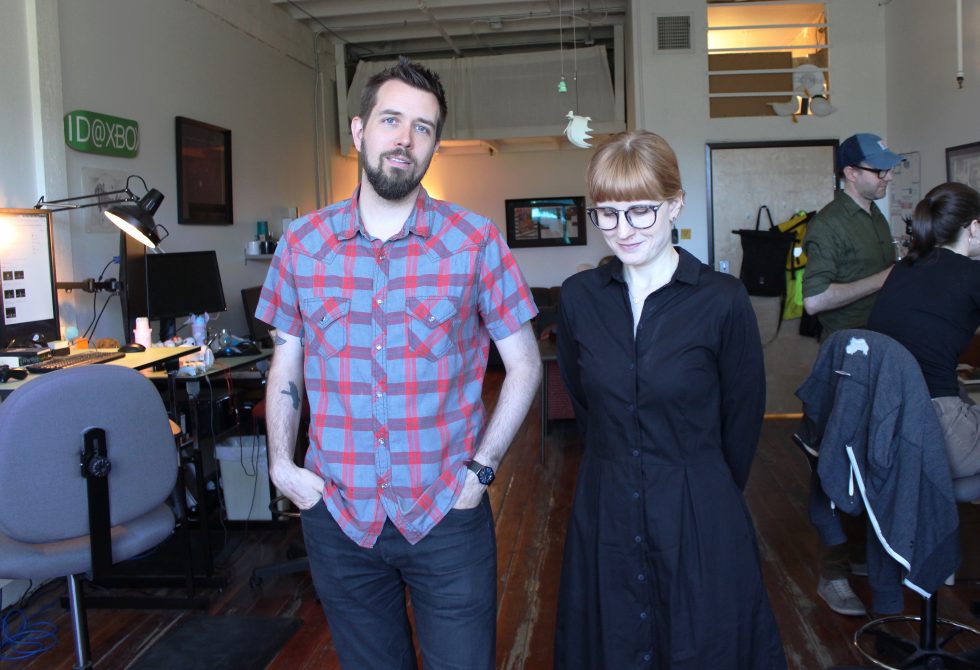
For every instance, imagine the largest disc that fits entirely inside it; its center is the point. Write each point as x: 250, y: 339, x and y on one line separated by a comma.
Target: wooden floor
x: 531, y: 504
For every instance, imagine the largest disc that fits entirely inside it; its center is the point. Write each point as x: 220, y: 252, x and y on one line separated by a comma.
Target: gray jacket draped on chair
x: 881, y: 450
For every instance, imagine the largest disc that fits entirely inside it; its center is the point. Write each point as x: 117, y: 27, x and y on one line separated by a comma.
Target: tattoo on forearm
x: 293, y: 394
x: 279, y: 340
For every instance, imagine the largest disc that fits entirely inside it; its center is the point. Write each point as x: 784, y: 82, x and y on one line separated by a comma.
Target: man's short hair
x: 413, y: 74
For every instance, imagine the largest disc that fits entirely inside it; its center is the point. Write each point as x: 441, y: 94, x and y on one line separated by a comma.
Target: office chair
x: 87, y: 463
x: 296, y: 559
x: 871, y: 435
x: 258, y: 331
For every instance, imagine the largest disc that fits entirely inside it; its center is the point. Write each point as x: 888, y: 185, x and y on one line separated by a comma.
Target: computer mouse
x: 133, y: 348
x: 7, y: 373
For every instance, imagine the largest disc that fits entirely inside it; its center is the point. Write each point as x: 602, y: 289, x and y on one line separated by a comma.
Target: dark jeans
x: 451, y: 575
x: 835, y: 561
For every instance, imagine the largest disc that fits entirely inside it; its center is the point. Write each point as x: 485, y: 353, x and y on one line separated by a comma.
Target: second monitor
x: 180, y: 284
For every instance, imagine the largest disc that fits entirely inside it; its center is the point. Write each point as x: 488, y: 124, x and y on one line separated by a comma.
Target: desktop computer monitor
x: 180, y: 284
x: 28, y: 296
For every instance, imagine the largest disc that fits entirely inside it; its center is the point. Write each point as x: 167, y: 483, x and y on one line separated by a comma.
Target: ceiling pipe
x: 442, y: 31
x: 959, y: 44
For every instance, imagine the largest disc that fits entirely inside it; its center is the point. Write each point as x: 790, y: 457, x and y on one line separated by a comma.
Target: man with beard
x: 849, y: 255
x: 384, y: 306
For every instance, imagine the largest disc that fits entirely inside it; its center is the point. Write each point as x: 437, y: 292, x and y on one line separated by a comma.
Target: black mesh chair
x: 870, y: 431
x: 87, y: 463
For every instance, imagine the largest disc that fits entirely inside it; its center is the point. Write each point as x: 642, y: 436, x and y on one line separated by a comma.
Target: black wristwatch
x: 484, y: 473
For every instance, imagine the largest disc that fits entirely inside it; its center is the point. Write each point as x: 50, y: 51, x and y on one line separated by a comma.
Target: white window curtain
x: 513, y: 95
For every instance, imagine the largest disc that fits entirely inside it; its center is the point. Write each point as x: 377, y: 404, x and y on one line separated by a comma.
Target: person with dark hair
x: 384, y: 306
x: 849, y: 252
x: 662, y: 359
x: 930, y: 304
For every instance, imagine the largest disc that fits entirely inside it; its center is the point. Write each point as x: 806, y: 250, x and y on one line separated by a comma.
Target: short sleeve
x: 505, y: 299
x: 278, y: 303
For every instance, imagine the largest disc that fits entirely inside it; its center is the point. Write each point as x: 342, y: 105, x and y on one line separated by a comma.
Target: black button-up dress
x: 661, y: 568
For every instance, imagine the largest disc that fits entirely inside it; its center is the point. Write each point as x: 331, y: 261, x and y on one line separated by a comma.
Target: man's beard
x: 399, y: 183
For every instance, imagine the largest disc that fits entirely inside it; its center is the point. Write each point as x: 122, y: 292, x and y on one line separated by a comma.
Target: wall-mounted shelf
x: 258, y: 257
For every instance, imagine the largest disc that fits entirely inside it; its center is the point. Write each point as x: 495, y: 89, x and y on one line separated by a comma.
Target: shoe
x: 859, y: 569
x: 839, y: 595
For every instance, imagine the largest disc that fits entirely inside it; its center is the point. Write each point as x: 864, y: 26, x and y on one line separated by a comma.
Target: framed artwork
x: 203, y: 173
x: 963, y: 164
x: 546, y: 222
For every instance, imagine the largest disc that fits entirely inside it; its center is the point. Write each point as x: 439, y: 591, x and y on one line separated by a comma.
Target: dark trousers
x: 835, y: 561
x: 451, y: 575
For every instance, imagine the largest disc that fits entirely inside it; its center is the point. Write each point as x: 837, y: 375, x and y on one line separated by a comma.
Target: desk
x: 135, y: 361
x: 192, y: 387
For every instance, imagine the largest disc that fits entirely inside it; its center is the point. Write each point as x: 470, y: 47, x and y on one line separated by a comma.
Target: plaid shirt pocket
x: 325, y: 324
x: 431, y: 327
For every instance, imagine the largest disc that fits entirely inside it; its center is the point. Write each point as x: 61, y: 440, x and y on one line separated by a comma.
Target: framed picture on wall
x: 963, y: 164
x: 203, y: 173
x: 546, y: 222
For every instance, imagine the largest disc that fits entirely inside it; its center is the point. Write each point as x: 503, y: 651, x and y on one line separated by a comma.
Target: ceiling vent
x: 674, y: 34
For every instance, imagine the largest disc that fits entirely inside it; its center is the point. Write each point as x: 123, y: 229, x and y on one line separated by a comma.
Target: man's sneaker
x: 840, y: 597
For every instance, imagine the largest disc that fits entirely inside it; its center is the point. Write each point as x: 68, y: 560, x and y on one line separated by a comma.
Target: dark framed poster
x: 204, y: 194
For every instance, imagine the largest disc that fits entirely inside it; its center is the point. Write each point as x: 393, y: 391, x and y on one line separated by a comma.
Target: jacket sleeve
x: 743, y: 386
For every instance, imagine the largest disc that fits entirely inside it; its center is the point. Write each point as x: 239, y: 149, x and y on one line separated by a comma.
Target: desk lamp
x: 133, y: 216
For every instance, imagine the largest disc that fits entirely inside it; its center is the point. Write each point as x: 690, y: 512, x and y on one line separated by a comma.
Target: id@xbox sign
x: 102, y: 134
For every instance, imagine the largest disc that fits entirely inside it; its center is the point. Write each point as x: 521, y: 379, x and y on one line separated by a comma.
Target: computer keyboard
x: 71, y: 360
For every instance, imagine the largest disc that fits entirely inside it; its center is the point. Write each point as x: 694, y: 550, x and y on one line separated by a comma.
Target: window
x: 766, y: 51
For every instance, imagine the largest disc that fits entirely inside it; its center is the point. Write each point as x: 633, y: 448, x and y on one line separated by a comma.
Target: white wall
x: 17, y: 185
x: 670, y: 98
x: 243, y: 65
x: 926, y: 110
x: 671, y: 94
x: 482, y: 183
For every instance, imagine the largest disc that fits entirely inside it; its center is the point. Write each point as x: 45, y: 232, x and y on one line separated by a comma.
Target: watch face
x: 486, y: 475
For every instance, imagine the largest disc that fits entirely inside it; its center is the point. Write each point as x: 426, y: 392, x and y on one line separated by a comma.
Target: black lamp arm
x: 63, y: 203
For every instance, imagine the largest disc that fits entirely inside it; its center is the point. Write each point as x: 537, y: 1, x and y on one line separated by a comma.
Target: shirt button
x: 381, y: 442
x: 636, y: 452
x: 632, y: 367
x: 643, y: 615
x: 629, y: 408
x: 636, y: 494
x: 431, y: 319
x: 378, y: 347
x: 646, y: 657
x: 641, y: 577
x: 378, y: 394
x: 638, y: 539
x: 379, y: 301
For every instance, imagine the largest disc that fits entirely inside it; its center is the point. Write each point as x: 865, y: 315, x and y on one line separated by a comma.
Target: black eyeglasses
x: 881, y: 174
x: 638, y: 216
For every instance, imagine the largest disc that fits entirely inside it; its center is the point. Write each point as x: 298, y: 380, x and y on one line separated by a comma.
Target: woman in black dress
x: 663, y: 361
x: 930, y: 304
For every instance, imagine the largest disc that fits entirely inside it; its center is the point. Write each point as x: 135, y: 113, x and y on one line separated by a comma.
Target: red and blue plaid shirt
x: 396, y: 336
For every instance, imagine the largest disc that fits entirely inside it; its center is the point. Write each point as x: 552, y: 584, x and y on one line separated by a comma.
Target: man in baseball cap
x: 849, y: 255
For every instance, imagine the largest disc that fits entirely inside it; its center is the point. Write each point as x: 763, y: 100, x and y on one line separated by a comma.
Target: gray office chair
x: 87, y: 462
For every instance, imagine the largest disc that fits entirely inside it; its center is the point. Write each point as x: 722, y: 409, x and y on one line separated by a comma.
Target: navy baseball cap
x: 868, y: 149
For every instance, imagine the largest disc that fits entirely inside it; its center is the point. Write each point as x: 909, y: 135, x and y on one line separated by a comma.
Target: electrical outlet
x: 723, y: 266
